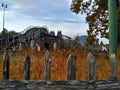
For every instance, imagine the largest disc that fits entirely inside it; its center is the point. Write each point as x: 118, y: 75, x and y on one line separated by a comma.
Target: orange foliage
x: 58, y: 65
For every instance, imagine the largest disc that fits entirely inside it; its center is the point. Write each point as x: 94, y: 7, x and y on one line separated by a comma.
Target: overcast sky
x: 55, y: 14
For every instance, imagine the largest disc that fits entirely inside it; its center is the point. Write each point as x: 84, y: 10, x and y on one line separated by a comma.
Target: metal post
x: 3, y: 17
x: 4, y: 7
x: 113, y: 29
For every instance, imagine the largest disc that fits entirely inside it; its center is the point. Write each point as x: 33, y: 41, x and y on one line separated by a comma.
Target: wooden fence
x: 69, y: 84
x: 71, y: 67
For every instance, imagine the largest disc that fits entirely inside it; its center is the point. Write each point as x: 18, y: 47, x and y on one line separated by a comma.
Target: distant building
x: 66, y: 42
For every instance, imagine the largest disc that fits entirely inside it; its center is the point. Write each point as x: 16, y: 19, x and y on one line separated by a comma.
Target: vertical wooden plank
x: 92, y: 66
x: 113, y: 66
x: 26, y: 75
x: 47, y: 68
x: 71, y: 67
x: 6, y: 65
x: 59, y: 44
x: 33, y: 44
x: 20, y: 46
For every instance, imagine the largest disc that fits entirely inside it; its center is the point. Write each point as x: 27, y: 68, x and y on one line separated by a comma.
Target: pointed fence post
x: 113, y: 66
x: 26, y: 75
x: 47, y: 68
x: 6, y: 65
x: 71, y: 67
x: 92, y: 66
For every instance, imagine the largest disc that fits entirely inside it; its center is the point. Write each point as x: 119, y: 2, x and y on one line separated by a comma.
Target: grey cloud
x: 45, y: 10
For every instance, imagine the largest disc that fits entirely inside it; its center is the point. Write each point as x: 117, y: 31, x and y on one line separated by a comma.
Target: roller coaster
x: 38, y: 33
